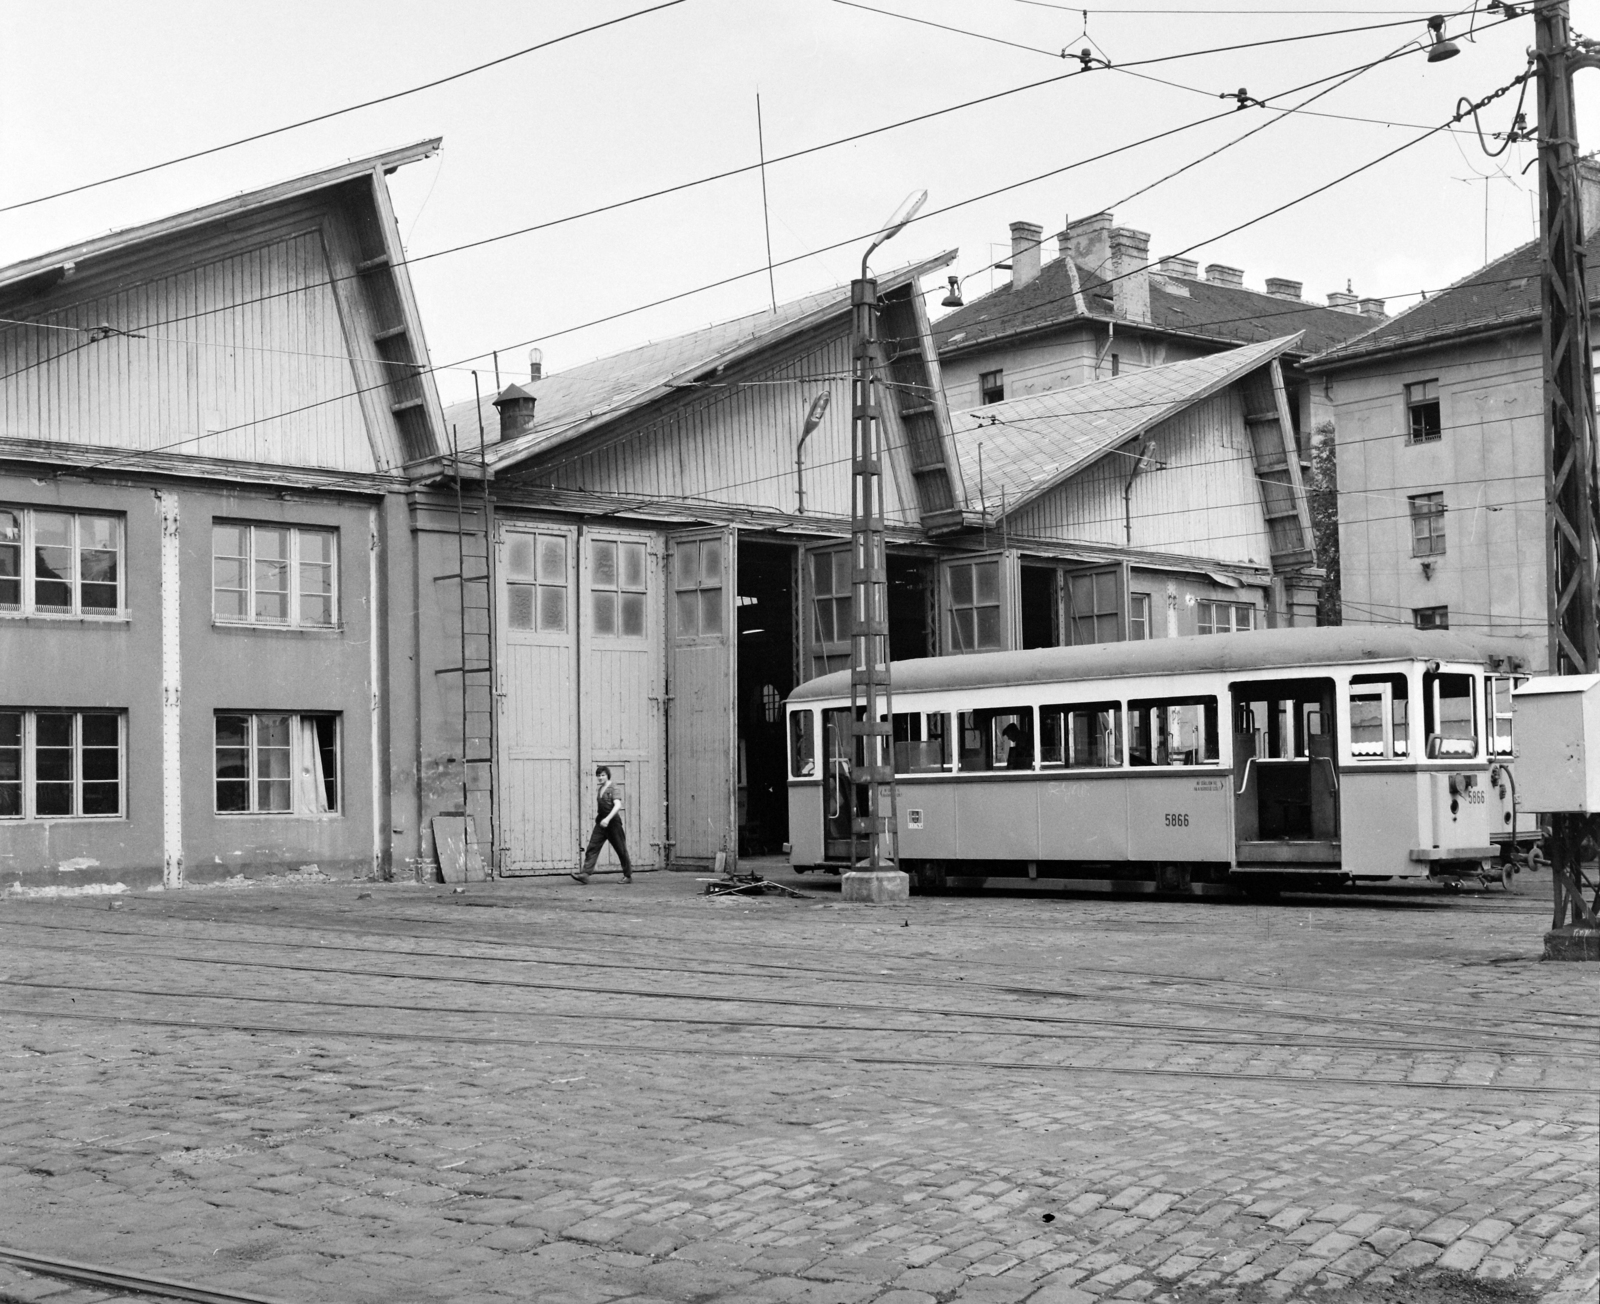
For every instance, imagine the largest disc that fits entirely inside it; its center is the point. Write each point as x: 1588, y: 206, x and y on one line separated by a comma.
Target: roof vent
x: 515, y: 406
x: 1279, y: 288
x: 1222, y: 274
x: 1185, y: 267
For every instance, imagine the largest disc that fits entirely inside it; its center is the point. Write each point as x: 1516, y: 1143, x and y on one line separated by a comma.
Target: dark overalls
x: 603, y: 833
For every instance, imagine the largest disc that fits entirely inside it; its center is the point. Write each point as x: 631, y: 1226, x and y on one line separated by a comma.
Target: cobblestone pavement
x: 537, y: 1091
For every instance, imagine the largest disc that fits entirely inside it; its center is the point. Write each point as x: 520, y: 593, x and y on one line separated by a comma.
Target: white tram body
x: 1283, y: 757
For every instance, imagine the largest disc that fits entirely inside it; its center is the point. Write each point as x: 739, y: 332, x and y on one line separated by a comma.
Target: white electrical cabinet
x: 1557, y: 720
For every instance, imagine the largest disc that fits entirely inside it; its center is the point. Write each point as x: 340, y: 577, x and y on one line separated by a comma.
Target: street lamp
x: 874, y: 873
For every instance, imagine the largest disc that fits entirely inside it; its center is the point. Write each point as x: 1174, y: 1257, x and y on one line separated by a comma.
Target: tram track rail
x: 1183, y: 1034
x: 944, y: 1063
x: 142, y: 1283
x: 1581, y: 1043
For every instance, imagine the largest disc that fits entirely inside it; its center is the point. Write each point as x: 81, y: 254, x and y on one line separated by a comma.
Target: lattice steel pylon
x: 1569, y: 417
x: 874, y: 817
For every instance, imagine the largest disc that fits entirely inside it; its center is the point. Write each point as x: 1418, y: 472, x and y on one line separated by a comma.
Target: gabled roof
x: 51, y: 267
x: 1503, y: 294
x: 1196, y: 308
x: 571, y: 403
x: 1032, y: 444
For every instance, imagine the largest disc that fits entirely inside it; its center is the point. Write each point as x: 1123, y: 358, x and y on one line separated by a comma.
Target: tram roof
x: 1269, y: 649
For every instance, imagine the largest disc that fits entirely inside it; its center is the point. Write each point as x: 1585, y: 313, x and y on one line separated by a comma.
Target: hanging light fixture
x: 953, y: 299
x: 1442, y: 47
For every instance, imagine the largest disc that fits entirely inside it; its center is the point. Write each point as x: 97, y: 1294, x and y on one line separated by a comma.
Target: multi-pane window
x: 536, y: 582
x: 617, y: 571
x: 1430, y: 617
x: 830, y: 597
x: 60, y: 764
x: 921, y: 742
x: 1176, y: 731
x: 1450, y: 715
x: 1224, y: 617
x: 1094, y: 606
x: 60, y: 563
x: 277, y: 763
x: 1422, y: 412
x: 1427, y: 524
x: 697, y: 585
x: 1138, y: 615
x: 1497, y: 714
x: 273, y: 575
x: 991, y: 386
x: 1087, y: 736
x: 975, y: 606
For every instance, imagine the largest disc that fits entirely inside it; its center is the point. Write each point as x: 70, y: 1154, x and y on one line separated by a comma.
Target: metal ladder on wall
x: 474, y: 578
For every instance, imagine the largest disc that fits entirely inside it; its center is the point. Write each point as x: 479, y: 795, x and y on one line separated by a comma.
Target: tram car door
x: 1286, y: 775
x: 840, y: 797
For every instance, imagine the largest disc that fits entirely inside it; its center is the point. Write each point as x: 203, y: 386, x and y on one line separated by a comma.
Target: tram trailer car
x: 1298, y: 758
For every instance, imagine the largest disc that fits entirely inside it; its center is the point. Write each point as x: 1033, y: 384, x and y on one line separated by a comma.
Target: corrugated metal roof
x: 1032, y: 444
x: 1181, y: 304
x: 1268, y: 649
x: 1502, y: 293
x: 573, y: 401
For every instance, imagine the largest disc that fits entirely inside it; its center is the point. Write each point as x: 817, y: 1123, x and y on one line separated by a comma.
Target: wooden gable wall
x: 1203, y: 502
x: 731, y: 441
x: 258, y: 344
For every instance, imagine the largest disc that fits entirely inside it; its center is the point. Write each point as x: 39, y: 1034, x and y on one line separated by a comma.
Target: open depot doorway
x: 765, y: 678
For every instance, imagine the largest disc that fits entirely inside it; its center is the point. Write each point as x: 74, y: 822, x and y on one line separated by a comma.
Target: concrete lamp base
x: 1574, y: 943
x: 876, y: 886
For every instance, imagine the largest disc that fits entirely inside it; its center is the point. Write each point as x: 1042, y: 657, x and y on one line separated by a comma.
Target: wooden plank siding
x: 1200, y: 502
x: 257, y: 346
x: 731, y: 441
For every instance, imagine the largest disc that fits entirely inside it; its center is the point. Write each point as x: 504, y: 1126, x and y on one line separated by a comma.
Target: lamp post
x: 874, y: 873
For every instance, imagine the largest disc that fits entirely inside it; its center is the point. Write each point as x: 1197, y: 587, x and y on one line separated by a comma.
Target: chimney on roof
x: 1130, y: 264
x: 515, y: 406
x: 1279, y: 288
x: 1343, y: 301
x: 1589, y: 193
x: 1026, y: 238
x: 1222, y: 274
x: 1184, y: 267
x: 1372, y: 308
x: 1088, y: 241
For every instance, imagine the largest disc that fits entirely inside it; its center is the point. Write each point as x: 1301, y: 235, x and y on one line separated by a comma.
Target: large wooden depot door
x: 702, y: 676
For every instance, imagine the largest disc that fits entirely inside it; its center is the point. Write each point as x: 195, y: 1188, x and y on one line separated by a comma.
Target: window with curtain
x: 55, y: 563
x: 277, y: 763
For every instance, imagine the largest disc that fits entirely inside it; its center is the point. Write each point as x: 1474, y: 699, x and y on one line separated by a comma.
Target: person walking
x: 607, y: 828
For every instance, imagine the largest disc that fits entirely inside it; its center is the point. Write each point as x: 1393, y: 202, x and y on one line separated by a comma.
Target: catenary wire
x: 335, y: 113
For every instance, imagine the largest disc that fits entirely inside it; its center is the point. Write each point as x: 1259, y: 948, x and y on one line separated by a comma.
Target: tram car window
x: 1497, y: 714
x: 1079, y: 737
x: 1379, y: 717
x: 802, y: 745
x: 1173, y: 731
x: 1451, y: 715
x: 997, y: 739
x: 921, y: 742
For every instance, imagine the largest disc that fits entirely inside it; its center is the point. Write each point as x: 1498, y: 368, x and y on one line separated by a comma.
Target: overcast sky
x: 88, y: 90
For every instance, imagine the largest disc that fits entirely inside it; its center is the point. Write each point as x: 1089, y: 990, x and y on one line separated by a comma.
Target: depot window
x: 617, y: 588
x: 1173, y: 731
x: 1427, y: 524
x: 536, y: 582
x: 1450, y: 715
x: 276, y: 763
x: 1086, y: 736
x: 697, y: 587
x: 60, y: 563
x: 60, y: 764
x: 273, y: 575
x: 991, y: 386
x: 975, y: 606
x: 999, y: 738
x: 1224, y: 617
x: 1422, y: 412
